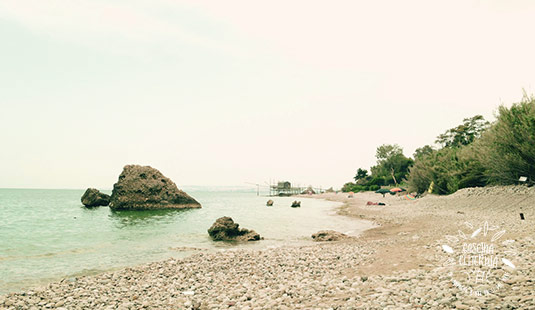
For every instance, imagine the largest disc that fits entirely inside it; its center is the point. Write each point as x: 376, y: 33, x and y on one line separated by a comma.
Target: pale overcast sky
x: 228, y: 92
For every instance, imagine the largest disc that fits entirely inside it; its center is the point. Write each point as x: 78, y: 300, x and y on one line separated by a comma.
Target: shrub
x: 449, y: 169
x: 373, y: 187
x: 379, y: 181
x: 510, y: 143
x: 348, y: 187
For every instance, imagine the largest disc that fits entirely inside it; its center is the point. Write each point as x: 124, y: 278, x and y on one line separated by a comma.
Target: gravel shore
x: 401, y: 264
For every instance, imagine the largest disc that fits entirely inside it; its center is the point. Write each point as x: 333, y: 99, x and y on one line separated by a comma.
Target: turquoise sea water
x: 46, y: 235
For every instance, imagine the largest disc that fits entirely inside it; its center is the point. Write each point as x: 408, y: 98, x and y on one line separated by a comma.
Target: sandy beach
x: 400, y: 264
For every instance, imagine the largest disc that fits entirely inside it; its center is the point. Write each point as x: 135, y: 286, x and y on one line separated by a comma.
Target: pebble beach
x: 399, y: 264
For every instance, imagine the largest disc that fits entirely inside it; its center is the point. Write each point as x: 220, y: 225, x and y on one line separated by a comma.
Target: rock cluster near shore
x: 94, y: 198
x: 329, y: 235
x: 146, y: 188
x: 225, y: 229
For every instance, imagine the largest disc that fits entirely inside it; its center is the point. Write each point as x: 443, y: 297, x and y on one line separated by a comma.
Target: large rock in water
x: 224, y: 229
x: 146, y: 188
x: 93, y: 198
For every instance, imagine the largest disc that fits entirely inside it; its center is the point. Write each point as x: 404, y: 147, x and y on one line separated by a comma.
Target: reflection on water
x: 124, y: 218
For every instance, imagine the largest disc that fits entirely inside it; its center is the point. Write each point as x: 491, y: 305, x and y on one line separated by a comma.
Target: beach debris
x: 329, y: 235
x: 146, y: 188
x: 94, y: 198
x: 296, y: 204
x: 225, y: 229
x: 371, y: 203
x: 269, y: 203
x: 410, y: 197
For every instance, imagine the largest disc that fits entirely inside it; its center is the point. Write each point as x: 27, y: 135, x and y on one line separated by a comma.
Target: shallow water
x: 46, y: 235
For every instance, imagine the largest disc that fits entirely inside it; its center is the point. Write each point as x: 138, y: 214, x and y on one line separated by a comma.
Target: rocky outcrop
x: 296, y: 204
x: 269, y: 203
x: 146, y: 188
x: 224, y: 229
x: 94, y: 198
x: 329, y: 235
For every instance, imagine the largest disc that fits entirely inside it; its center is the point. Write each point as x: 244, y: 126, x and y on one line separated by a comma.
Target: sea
x: 47, y: 234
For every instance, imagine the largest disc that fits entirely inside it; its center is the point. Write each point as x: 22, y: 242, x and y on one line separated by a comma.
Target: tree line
x: 474, y: 153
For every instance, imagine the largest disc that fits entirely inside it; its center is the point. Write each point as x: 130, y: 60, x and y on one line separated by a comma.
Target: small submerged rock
x: 329, y: 235
x: 224, y: 229
x: 94, y: 198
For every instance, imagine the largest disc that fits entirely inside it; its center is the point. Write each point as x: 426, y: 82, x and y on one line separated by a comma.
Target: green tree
x: 458, y: 165
x: 449, y: 170
x: 392, y: 165
x: 464, y: 134
x: 423, y: 151
x: 387, y: 151
x: 361, y: 174
x: 510, y: 143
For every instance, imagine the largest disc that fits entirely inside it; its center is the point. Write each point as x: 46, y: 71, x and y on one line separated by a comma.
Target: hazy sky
x: 228, y: 92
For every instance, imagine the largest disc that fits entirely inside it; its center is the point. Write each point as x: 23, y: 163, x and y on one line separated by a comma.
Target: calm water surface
x: 46, y: 235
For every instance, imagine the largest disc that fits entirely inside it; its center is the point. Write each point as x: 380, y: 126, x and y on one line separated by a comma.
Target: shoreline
x: 326, y: 214
x: 397, y: 265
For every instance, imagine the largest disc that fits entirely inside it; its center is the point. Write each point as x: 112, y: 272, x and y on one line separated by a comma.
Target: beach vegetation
x: 423, y: 151
x: 464, y: 134
x: 473, y: 154
x: 391, y: 169
x: 478, y: 153
x: 392, y: 166
x: 457, y: 164
x: 509, y: 144
x: 361, y: 174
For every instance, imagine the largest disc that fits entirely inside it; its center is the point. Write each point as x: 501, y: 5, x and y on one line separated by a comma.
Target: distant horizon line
x: 184, y: 186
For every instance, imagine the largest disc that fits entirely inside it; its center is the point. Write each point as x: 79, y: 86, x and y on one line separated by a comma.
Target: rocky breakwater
x: 94, y: 198
x: 146, y: 188
x: 224, y: 229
